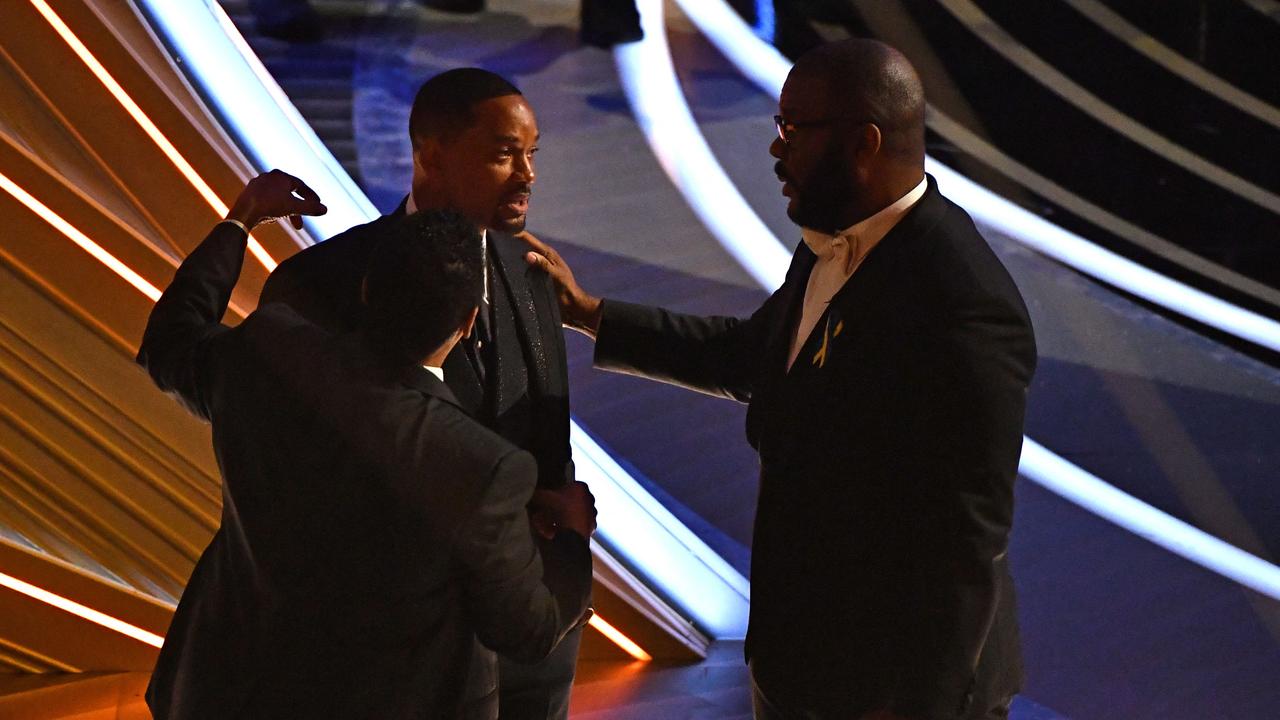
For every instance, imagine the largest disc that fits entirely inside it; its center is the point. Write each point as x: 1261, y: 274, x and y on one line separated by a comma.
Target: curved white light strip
x: 1168, y: 58
x: 1073, y: 250
x: 991, y: 156
x: 1037, y: 463
x: 657, y: 545
x: 675, y: 561
x: 999, y: 40
x: 767, y: 67
x: 268, y: 126
x: 1093, y: 494
x: 659, y: 107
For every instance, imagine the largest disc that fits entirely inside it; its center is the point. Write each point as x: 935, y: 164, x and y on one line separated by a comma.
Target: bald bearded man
x: 886, y: 382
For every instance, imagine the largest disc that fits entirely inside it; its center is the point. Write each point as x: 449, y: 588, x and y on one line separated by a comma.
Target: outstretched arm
x: 716, y: 355
x: 187, y: 318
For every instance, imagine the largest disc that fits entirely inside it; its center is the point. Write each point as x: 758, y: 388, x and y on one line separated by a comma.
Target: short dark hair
x: 442, y: 107
x: 424, y: 279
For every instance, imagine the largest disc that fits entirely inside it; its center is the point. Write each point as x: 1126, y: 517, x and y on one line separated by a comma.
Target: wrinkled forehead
x: 805, y: 94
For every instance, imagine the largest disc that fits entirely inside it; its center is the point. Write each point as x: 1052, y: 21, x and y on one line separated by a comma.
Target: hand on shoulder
x: 578, y: 309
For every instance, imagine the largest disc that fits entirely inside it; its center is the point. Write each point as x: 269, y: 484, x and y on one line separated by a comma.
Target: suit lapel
x: 534, y: 311
x: 425, y: 382
x: 863, y: 297
x: 779, y: 343
x: 462, y: 380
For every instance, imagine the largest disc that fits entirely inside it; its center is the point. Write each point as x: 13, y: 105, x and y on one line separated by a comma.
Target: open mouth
x: 517, y: 204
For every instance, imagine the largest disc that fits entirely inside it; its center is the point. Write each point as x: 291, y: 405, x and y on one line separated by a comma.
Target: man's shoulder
x: 277, y: 335
x: 337, y: 251
x: 323, y: 281
x: 451, y: 424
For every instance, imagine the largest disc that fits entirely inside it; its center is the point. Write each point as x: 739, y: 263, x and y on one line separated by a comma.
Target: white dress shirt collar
x: 849, y: 246
x: 839, y: 256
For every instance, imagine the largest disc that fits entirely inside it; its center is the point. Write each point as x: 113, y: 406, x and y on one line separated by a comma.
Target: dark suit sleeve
x: 955, y: 534
x: 185, y: 322
x: 517, y: 612
x: 322, y: 283
x: 716, y: 355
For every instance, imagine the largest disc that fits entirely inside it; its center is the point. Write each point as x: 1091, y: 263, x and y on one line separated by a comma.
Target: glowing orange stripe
x: 619, y: 639
x: 79, y: 610
x: 145, y: 123
x: 80, y: 238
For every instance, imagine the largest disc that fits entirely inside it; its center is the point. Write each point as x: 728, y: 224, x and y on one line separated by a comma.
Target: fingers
x: 276, y: 194
x: 310, y: 204
x: 301, y: 189
x: 539, y: 247
x: 541, y: 261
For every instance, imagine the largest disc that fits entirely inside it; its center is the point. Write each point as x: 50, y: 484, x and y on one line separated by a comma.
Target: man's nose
x: 777, y: 147
x: 524, y: 169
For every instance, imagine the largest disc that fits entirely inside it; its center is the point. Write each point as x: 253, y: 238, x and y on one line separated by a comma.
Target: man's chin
x: 799, y: 214
x: 509, y: 224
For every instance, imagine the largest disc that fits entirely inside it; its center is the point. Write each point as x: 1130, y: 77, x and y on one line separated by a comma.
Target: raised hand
x: 578, y: 309
x: 274, y: 195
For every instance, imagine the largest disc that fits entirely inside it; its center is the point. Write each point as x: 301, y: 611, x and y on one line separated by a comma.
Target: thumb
x: 534, y: 258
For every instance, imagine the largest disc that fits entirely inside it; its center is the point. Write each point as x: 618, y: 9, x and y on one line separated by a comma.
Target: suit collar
x: 531, y: 309
x: 422, y: 380
x: 416, y: 377
x: 903, y: 241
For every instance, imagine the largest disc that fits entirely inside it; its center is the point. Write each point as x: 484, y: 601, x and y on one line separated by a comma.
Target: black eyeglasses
x: 786, y: 128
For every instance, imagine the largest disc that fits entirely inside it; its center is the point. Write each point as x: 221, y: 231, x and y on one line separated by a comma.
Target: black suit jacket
x: 888, y: 457
x: 529, y: 402
x: 374, y: 548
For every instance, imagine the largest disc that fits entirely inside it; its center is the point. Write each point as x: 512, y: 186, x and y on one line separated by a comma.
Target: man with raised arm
x: 474, y: 137
x: 374, y: 551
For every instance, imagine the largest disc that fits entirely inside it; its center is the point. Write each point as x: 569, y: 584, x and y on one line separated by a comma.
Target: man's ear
x: 466, y: 328
x: 870, y: 141
x: 426, y: 156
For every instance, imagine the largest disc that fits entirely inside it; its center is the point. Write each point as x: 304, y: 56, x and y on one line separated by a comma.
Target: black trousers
x: 771, y: 707
x: 539, y: 691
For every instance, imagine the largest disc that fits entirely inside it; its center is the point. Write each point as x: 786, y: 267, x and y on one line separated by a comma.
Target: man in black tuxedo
x: 887, y: 380
x: 474, y: 137
x: 375, y: 548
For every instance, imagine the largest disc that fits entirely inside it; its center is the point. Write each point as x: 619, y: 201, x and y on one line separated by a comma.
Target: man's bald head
x: 851, y: 133
x: 869, y: 80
